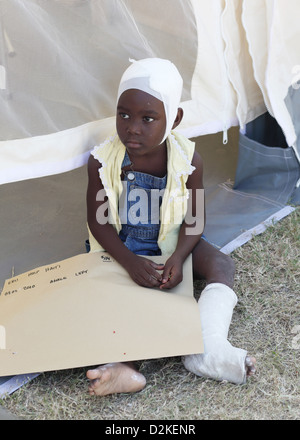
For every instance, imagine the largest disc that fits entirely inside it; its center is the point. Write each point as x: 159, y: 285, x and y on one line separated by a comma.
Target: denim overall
x: 139, y: 210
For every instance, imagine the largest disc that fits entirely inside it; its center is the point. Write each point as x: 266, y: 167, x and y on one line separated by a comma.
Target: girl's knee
x: 222, y: 270
x: 229, y: 264
x: 227, y: 267
x: 212, y: 265
x: 223, y: 262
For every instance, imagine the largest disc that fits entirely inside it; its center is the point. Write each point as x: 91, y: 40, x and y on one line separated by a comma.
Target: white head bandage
x: 159, y: 78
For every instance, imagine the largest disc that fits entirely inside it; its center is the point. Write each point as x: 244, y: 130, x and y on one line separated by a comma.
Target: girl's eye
x: 148, y: 119
x: 124, y: 115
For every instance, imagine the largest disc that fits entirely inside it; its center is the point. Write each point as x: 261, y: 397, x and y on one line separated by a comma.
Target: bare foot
x: 250, y: 365
x: 115, y: 378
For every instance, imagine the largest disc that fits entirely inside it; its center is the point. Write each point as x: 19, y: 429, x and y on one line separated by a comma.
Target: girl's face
x: 141, y: 121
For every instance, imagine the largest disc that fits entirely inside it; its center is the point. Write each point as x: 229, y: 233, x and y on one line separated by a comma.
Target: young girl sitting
x: 145, y: 156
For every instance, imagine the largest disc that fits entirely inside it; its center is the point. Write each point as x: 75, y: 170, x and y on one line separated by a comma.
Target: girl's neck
x: 154, y: 163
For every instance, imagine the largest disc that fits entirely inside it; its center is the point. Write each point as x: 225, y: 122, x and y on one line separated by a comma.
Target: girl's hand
x: 172, y: 274
x: 145, y: 272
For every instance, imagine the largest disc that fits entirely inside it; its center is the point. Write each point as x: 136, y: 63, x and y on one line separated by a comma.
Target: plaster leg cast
x: 220, y: 360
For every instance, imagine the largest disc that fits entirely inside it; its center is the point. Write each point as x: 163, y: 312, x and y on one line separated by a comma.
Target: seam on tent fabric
x: 251, y: 196
x: 77, y: 143
x: 280, y: 112
x: 267, y: 155
x: 89, y: 129
x: 286, y: 158
x: 210, y: 127
x: 227, y: 45
x: 248, y: 38
x: 256, y: 230
x: 294, y: 147
x: 289, y: 179
x: 225, y: 75
x: 42, y: 169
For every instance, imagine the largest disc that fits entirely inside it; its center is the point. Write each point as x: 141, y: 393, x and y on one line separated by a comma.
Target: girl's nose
x: 134, y: 127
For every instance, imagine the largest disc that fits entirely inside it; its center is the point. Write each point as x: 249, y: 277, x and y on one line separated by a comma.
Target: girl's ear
x: 178, y: 118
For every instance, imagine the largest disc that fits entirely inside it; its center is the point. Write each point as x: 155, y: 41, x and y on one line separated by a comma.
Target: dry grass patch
x: 267, y: 284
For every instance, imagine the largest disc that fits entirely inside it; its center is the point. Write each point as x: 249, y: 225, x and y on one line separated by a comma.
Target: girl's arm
x: 142, y: 270
x: 191, y: 229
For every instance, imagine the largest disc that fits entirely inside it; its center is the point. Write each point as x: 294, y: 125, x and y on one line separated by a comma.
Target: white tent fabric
x: 273, y: 34
x: 60, y: 63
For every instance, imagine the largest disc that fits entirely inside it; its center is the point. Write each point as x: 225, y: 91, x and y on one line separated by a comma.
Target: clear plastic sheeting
x: 61, y: 62
x: 63, y: 59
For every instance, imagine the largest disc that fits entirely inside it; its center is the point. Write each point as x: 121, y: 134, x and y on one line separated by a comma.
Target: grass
x: 267, y: 284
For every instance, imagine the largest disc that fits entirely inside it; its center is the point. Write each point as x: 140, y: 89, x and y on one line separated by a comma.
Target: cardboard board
x: 86, y: 310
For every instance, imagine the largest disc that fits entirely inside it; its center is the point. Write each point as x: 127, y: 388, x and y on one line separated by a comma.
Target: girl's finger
x: 167, y: 275
x: 157, y: 266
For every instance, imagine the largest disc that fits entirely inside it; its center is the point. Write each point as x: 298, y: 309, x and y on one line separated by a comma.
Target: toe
x: 250, y: 365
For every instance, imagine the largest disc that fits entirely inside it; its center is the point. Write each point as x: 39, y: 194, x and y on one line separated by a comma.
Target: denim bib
x: 139, y: 209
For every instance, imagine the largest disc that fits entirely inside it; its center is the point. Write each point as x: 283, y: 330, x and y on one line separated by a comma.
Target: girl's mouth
x: 132, y: 143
